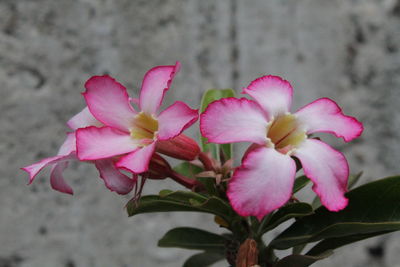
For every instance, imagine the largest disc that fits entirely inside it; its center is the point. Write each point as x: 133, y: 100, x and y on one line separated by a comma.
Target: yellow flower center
x: 285, y: 134
x: 145, y: 128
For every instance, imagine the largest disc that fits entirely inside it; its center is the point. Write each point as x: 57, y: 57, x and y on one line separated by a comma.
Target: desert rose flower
x: 130, y: 134
x: 113, y: 178
x: 264, y: 181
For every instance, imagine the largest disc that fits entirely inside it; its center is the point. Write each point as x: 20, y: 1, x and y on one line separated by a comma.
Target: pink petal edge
x: 57, y: 180
x: 263, y: 182
x: 175, y: 119
x: 329, y: 171
x: 109, y: 102
x: 113, y: 178
x: 272, y: 93
x: 156, y: 83
x: 231, y: 120
x: 325, y: 115
x: 138, y: 160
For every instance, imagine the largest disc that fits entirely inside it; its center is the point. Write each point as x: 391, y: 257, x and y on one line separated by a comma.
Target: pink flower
x: 127, y: 133
x: 113, y: 178
x: 265, y: 179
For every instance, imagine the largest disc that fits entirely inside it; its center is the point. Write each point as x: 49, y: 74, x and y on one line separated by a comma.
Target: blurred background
x: 346, y: 50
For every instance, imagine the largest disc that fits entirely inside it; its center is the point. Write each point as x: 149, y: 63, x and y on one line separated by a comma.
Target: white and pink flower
x: 264, y: 181
x: 130, y: 134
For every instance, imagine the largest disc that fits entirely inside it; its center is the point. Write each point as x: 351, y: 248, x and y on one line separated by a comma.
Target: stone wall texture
x: 348, y: 50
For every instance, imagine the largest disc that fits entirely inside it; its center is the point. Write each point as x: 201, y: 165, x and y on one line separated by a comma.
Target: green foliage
x: 300, y: 183
x: 203, y: 259
x: 293, y: 210
x: 209, y: 97
x: 374, y: 208
x: 187, y: 169
x: 181, y: 201
x: 296, y: 260
x: 193, y: 238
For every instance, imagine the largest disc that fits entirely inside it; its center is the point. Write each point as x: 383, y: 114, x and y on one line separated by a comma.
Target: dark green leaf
x: 333, y: 243
x: 193, y: 238
x: 297, y: 260
x: 299, y: 183
x: 203, y: 259
x: 188, y: 169
x: 180, y: 201
x: 373, y: 208
x: 208, y: 97
x: 287, y: 212
x: 209, y: 184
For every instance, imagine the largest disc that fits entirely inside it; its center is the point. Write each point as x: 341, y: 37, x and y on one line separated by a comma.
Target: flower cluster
x: 124, y: 142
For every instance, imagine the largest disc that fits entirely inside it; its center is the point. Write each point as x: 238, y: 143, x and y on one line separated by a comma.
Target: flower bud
x: 179, y: 147
x: 159, y: 168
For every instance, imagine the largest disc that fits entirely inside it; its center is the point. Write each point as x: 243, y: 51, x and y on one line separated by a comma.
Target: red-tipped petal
x: 109, y: 102
x: 272, y: 93
x: 329, y: 171
x: 175, y: 119
x: 324, y: 115
x: 155, y: 84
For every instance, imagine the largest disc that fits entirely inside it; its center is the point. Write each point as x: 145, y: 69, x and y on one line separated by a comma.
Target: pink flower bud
x: 159, y: 168
x: 179, y: 147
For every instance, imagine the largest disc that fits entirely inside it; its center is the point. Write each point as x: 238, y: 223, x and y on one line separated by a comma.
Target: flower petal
x: 155, y: 84
x: 272, y: 93
x: 57, y: 180
x: 97, y: 143
x: 324, y: 115
x: 65, y: 153
x: 109, y: 103
x: 83, y: 119
x: 68, y: 146
x: 175, y: 119
x: 138, y: 160
x: 262, y: 183
x: 329, y: 171
x: 113, y: 178
x: 234, y: 120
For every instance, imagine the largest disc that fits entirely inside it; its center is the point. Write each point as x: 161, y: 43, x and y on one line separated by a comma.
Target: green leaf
x: 373, y: 208
x: 181, y: 201
x: 333, y: 243
x: 288, y: 212
x: 193, y: 238
x: 209, y: 185
x: 203, y: 259
x: 208, y: 97
x: 299, y: 183
x: 188, y: 169
x: 297, y: 260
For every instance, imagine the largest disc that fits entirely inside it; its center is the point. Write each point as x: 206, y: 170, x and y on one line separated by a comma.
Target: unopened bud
x: 159, y: 168
x: 180, y: 147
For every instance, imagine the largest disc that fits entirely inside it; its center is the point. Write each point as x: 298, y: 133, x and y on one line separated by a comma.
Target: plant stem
x: 183, y: 180
x: 263, y: 223
x: 207, y: 162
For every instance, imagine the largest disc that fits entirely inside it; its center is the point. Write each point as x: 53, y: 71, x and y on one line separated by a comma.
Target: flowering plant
x: 127, y: 140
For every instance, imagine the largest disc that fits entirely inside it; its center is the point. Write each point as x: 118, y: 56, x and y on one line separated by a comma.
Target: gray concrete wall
x: 347, y: 50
